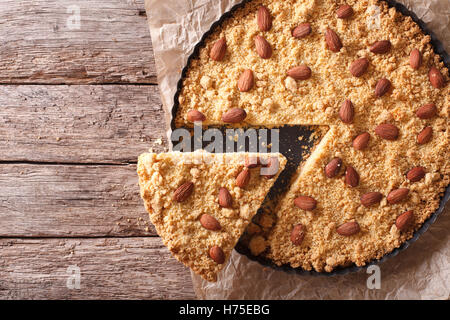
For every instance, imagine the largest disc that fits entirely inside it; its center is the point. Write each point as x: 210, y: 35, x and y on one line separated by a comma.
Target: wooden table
x: 77, y: 106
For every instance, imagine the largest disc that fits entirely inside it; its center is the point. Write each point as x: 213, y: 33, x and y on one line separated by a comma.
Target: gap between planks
x: 118, y: 268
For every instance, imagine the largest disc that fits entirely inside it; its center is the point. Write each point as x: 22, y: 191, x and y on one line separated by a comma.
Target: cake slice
x: 201, y: 203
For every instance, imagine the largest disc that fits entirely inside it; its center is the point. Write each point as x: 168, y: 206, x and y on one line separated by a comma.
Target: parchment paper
x: 420, y: 272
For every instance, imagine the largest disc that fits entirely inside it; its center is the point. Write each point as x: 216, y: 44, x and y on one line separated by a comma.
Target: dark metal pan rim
x: 438, y: 49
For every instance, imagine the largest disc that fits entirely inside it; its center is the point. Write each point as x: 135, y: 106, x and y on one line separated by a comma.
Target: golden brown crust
x: 211, y: 87
x: 178, y: 223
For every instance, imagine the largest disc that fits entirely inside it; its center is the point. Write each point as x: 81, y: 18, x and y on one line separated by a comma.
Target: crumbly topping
x: 382, y: 168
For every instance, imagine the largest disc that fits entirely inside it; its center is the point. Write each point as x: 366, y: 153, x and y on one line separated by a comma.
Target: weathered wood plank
x: 129, y: 268
x: 42, y: 43
x: 79, y: 124
x: 71, y: 201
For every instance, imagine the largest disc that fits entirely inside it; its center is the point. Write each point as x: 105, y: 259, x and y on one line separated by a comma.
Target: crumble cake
x: 369, y: 74
x: 201, y: 203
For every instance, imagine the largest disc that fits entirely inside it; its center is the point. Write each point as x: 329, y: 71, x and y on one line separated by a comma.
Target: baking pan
x: 293, y: 149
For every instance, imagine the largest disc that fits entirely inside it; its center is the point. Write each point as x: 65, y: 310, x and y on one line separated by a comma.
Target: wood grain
x: 130, y: 268
x: 42, y: 44
x: 69, y: 193
x: 79, y: 124
x: 71, y: 201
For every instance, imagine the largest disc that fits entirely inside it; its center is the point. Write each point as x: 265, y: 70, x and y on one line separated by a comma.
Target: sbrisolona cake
x: 366, y: 72
x: 201, y: 203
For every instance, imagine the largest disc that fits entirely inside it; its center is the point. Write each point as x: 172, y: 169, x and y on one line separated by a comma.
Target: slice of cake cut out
x: 201, y: 203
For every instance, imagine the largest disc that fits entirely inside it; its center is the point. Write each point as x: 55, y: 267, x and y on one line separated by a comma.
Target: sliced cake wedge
x: 201, y: 203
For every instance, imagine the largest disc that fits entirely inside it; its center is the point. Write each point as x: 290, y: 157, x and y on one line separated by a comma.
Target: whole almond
x: 397, y: 195
x: 263, y: 48
x: 382, y: 87
x: 301, y: 31
x: 361, y: 141
x: 264, y: 19
x: 347, y: 112
x: 387, y: 131
x: 234, y: 115
x: 404, y: 220
x: 348, y: 229
x: 333, y: 167
x: 243, y: 178
x: 427, y: 111
x: 371, y: 198
x: 416, y: 174
x: 297, y: 234
x: 305, y: 203
x: 246, y: 81
x: 415, y: 59
x: 351, y: 176
x: 195, y: 115
x: 218, y: 50
x: 381, y: 47
x: 251, y: 162
x: 210, y: 223
x: 183, y: 191
x: 425, y: 135
x: 301, y: 72
x: 436, y: 78
x: 344, y: 11
x: 216, y: 253
x: 332, y: 40
x: 225, y: 199
x: 359, y: 67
